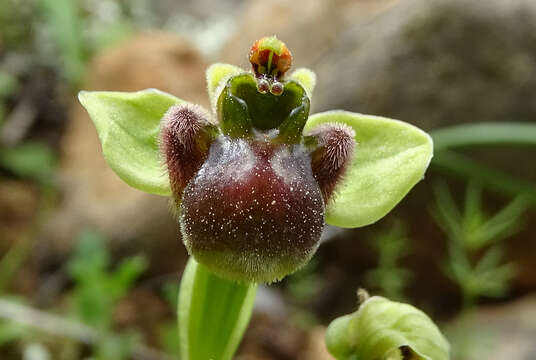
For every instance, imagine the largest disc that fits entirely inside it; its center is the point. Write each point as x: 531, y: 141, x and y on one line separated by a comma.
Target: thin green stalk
x: 213, y: 314
x: 484, y: 134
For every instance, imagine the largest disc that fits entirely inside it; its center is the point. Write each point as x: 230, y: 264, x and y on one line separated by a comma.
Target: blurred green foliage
x: 93, y: 300
x: 8, y: 86
x: 98, y: 289
x: 30, y: 160
x: 62, y: 34
x: 475, y: 257
x: 302, y: 287
x: 389, y: 277
x: 97, y: 292
x: 168, y: 332
x: 62, y: 17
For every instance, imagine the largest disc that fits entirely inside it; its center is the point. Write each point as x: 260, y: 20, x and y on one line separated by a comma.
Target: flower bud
x: 270, y: 56
x: 383, y: 330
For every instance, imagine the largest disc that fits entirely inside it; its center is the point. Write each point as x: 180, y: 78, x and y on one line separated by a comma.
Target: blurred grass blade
x: 213, y: 314
x: 456, y: 164
x: 447, y: 214
x: 484, y: 134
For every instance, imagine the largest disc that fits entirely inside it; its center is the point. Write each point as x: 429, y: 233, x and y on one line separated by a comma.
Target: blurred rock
x: 497, y: 332
x: 270, y: 301
x: 432, y: 63
x: 435, y: 63
x: 269, y: 338
x: 93, y: 195
x: 309, y: 27
x: 316, y: 346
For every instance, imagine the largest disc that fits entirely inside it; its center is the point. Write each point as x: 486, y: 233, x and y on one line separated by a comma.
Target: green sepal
x: 213, y: 313
x: 391, y: 156
x: 290, y: 130
x: 380, y: 328
x: 216, y: 76
x: 128, y: 126
x: 233, y: 114
x: 305, y: 78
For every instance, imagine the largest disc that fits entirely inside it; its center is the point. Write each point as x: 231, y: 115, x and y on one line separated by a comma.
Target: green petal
x: 217, y: 75
x: 391, y: 156
x: 306, y: 78
x: 380, y: 327
x: 128, y: 125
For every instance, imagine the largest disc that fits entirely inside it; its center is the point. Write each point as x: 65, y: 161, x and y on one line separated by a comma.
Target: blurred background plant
x: 389, y: 278
x: 442, y: 65
x: 475, y: 259
x: 89, y: 317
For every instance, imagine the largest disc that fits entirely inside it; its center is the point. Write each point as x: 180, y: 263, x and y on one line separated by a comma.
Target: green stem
x: 484, y: 134
x: 213, y: 314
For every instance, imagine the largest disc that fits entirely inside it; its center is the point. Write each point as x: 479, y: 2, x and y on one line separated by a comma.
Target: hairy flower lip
x: 252, y: 208
x: 254, y: 211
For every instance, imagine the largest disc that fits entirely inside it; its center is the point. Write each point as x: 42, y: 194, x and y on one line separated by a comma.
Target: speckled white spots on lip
x: 254, y: 211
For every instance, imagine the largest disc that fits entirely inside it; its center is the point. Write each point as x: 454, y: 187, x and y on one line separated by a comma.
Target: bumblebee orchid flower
x: 255, y: 180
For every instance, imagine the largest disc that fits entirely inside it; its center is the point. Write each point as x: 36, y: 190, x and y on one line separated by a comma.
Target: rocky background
x: 433, y: 63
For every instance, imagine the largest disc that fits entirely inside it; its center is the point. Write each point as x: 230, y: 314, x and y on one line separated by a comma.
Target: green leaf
x: 217, y: 75
x: 391, y: 156
x: 380, y: 329
x: 213, y: 314
x: 31, y: 160
x: 8, y: 84
x: 306, y: 78
x: 128, y: 125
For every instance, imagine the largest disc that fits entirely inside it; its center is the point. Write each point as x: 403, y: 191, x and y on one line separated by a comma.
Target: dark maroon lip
x: 251, y: 190
x: 255, y: 199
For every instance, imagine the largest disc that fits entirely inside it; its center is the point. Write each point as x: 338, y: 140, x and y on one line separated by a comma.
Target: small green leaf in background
x: 391, y: 156
x: 389, y: 277
x: 98, y: 289
x: 213, y: 314
x: 386, y: 330
x: 128, y: 125
x: 11, y: 331
x: 30, y: 160
x: 63, y: 19
x: 8, y: 84
x: 476, y: 259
